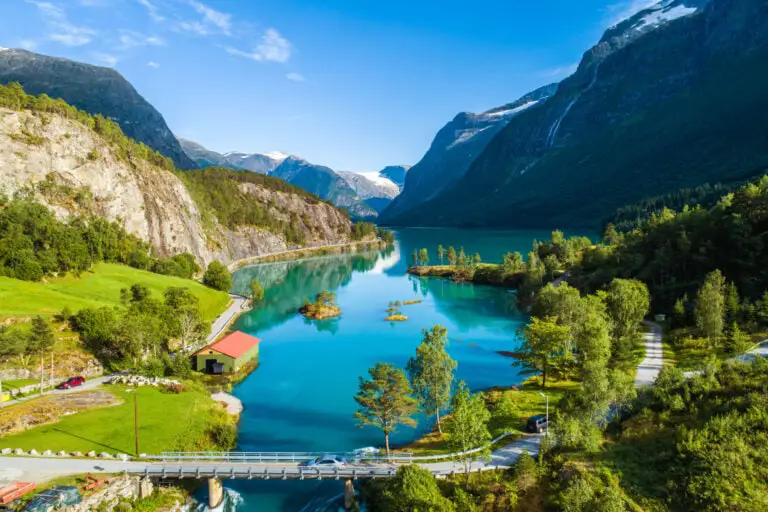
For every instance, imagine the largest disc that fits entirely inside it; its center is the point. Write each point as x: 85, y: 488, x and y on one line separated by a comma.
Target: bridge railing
x: 298, y: 457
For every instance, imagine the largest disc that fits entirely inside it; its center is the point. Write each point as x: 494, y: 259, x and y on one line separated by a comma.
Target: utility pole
x: 42, y: 376
x: 50, y: 382
x: 136, y: 419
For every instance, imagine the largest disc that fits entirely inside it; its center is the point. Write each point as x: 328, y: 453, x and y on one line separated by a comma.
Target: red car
x: 71, y: 382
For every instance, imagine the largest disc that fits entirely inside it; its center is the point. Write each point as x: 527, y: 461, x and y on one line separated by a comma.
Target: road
x: 654, y: 357
x: 40, y: 469
x: 221, y: 323
x: 89, y: 384
x: 255, y: 259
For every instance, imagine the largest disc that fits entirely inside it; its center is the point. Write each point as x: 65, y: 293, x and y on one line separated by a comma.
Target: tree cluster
x: 35, y: 244
x: 143, y: 332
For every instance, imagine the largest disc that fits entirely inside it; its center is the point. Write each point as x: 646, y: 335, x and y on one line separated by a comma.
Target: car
x: 71, y: 382
x: 538, y: 423
x: 326, y: 461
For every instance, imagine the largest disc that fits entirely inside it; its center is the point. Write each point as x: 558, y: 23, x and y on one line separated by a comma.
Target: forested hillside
x: 76, y: 163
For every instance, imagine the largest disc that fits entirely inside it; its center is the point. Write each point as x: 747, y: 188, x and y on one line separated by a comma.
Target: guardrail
x: 297, y: 457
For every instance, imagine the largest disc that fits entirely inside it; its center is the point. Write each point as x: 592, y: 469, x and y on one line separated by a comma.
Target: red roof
x: 234, y: 345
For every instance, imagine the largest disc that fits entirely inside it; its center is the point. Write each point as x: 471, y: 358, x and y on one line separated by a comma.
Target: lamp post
x: 546, y: 432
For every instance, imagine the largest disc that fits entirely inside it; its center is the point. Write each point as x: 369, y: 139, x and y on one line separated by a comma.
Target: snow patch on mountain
x: 660, y: 14
x: 511, y: 111
x: 277, y: 155
x: 381, y: 181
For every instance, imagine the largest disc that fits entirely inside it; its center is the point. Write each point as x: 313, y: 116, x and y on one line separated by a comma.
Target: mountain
x: 76, y: 166
x: 362, y: 195
x: 396, y: 174
x: 204, y: 157
x: 376, y: 190
x: 324, y: 182
x: 453, y: 150
x: 96, y: 90
x: 670, y: 98
x: 263, y: 163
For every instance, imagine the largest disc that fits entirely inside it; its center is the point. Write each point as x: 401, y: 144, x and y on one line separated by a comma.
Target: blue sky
x: 352, y: 84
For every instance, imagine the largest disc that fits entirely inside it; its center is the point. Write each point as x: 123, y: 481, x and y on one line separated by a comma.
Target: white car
x: 326, y: 461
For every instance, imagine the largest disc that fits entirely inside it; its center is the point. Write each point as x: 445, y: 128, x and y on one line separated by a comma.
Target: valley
x: 562, y: 305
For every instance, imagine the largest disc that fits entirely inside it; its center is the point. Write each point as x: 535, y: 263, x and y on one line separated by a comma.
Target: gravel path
x: 654, y: 357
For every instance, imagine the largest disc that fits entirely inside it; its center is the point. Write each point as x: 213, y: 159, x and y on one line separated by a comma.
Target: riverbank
x: 306, y: 252
x: 491, y: 274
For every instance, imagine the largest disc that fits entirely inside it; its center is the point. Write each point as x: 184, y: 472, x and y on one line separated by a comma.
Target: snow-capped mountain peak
x: 277, y: 155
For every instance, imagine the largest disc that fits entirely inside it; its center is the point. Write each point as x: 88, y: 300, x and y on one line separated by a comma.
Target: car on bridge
x: 326, y: 461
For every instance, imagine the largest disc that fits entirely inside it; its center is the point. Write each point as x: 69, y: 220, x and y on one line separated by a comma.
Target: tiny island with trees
x: 324, y: 306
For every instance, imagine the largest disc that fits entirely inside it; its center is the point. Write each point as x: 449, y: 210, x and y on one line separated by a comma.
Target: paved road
x: 654, y: 357
x: 89, y: 384
x: 221, y: 323
x: 255, y: 259
x: 40, y: 469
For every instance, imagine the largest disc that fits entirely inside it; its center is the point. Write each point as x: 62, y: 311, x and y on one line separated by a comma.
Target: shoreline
x: 303, y: 252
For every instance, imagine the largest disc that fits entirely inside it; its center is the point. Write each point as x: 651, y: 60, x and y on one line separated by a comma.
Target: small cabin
x: 228, y: 355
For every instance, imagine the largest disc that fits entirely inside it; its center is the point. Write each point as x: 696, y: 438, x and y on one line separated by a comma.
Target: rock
x: 47, y: 453
x: 62, y: 453
x: 18, y: 451
x: 76, y: 454
x: 91, y: 454
x: 105, y: 455
x: 5, y: 451
x: 123, y: 457
x: 33, y: 452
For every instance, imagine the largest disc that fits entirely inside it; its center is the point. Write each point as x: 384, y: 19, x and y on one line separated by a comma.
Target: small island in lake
x: 323, y: 307
x: 394, y: 314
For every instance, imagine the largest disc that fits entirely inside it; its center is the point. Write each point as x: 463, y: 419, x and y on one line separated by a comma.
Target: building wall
x: 201, y: 358
x: 251, y: 355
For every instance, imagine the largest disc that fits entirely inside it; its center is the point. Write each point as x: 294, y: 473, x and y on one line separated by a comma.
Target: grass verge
x: 98, y: 288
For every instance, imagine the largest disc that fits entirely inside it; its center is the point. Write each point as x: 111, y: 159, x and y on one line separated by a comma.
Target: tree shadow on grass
x: 117, y: 450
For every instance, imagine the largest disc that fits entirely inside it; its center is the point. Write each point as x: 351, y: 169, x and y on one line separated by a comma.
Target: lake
x: 301, y: 396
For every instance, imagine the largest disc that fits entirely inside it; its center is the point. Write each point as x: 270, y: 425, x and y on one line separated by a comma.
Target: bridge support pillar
x: 215, y: 493
x: 349, y: 494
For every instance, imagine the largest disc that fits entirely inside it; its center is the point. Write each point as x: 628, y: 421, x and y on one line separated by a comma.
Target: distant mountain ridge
x: 362, y: 196
x: 453, y: 150
x: 671, y: 98
x: 96, y: 90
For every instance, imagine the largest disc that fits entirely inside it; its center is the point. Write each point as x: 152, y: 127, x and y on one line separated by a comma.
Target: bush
x: 217, y: 277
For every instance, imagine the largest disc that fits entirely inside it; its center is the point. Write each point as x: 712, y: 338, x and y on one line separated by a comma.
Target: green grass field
x: 98, y: 288
x: 167, y: 421
x: 20, y: 383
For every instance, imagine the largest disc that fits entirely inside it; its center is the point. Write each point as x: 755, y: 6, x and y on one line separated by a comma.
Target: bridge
x: 218, y: 466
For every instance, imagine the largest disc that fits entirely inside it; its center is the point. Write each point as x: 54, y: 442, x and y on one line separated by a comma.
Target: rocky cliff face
x: 453, y: 150
x: 96, y: 90
x: 59, y: 159
x: 671, y: 98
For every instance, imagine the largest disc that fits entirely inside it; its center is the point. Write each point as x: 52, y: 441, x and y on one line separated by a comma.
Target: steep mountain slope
x: 204, y: 157
x: 453, y: 150
x: 671, y: 98
x: 263, y: 163
x: 59, y: 155
x: 396, y: 174
x: 96, y: 90
x: 324, y: 182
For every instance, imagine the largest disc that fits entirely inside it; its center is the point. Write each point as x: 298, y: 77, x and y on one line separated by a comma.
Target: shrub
x: 217, y: 277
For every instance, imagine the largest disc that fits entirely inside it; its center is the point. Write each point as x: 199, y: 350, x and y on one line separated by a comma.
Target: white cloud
x: 295, y: 77
x: 194, y: 26
x: 151, y: 10
x: 211, y: 17
x: 273, y: 47
x: 105, y: 58
x: 28, y: 44
x: 153, y: 64
x: 63, y: 31
x: 130, y: 39
x: 619, y: 12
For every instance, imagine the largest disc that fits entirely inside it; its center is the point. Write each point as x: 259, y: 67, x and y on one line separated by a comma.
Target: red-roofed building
x: 227, y: 355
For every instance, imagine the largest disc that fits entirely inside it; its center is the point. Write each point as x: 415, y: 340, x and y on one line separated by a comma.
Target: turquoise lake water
x: 301, y: 396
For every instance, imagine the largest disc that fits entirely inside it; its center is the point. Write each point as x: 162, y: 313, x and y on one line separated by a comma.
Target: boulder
x: 6, y: 451
x: 91, y: 454
x: 76, y: 454
x: 47, y: 453
x: 105, y: 455
x: 61, y: 453
x: 18, y: 451
x: 33, y: 452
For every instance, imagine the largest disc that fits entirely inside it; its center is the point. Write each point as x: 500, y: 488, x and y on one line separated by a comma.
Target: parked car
x: 537, y: 423
x: 326, y: 461
x: 71, y: 382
